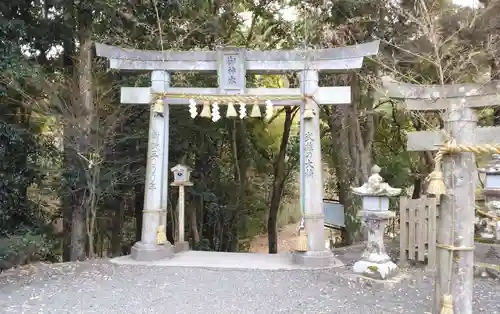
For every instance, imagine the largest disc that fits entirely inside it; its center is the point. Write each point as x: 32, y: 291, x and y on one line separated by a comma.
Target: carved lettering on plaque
x: 231, y: 71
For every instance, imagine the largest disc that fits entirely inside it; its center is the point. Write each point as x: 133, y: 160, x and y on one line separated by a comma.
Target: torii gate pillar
x: 156, y: 185
x: 311, y: 178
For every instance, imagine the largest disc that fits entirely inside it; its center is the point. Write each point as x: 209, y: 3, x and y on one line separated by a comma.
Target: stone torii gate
x: 231, y: 65
x: 455, y: 226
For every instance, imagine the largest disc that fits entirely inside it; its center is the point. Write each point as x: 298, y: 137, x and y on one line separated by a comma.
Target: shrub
x: 18, y: 250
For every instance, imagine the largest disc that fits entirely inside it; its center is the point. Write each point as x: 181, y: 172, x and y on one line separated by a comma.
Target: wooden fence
x: 418, y: 230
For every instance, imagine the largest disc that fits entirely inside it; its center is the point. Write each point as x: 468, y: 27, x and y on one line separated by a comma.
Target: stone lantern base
x: 375, y: 270
x: 375, y: 263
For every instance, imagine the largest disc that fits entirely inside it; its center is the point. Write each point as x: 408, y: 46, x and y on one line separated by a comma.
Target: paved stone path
x: 101, y: 287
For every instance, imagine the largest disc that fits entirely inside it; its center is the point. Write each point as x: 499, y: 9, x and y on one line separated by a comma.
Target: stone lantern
x: 489, y: 225
x: 375, y: 262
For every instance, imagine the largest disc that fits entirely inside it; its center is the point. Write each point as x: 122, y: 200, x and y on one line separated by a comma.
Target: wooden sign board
x: 231, y: 71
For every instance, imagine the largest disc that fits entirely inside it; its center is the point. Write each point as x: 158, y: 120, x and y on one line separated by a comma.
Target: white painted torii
x: 232, y: 64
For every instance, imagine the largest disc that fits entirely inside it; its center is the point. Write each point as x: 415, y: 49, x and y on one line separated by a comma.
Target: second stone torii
x: 455, y: 228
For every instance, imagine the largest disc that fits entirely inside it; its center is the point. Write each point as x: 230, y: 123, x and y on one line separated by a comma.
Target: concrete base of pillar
x: 181, y: 246
x: 374, y: 270
x: 151, y: 252
x: 314, y: 259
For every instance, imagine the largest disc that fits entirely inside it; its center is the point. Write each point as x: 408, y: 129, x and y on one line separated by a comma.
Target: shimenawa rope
x: 436, y: 178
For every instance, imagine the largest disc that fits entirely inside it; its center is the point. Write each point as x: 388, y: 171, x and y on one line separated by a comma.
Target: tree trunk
x: 495, y: 76
x: 67, y: 208
x: 417, y: 188
x: 241, y: 164
x: 344, y: 169
x: 194, y: 224
x: 278, y: 183
x: 366, y: 134
x: 118, y: 219
x: 66, y: 198
x: 352, y: 127
x: 139, y: 206
x: 197, y: 201
x: 84, y: 119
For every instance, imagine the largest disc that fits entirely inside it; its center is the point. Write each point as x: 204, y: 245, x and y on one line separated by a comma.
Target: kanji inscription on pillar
x: 154, y: 157
x: 308, y: 155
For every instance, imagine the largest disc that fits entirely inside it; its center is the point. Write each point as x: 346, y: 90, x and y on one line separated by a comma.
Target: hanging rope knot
x: 435, y: 179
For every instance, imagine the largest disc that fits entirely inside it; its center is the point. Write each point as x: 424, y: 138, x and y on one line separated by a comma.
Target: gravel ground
x: 100, y: 287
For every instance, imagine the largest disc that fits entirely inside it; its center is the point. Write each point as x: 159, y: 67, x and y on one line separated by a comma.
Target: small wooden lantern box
x: 181, y: 175
x: 181, y: 180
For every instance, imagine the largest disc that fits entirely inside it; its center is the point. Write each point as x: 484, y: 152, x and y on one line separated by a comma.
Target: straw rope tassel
x: 302, y: 242
x: 158, y: 105
x: 255, y: 113
x: 161, y: 237
x: 205, y: 112
x: 302, y: 245
x: 436, y: 180
x: 231, y: 111
x: 447, y: 304
x: 308, y: 109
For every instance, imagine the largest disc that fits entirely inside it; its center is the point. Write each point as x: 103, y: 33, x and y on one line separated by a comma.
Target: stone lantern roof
x: 376, y: 186
x: 492, y: 170
x: 493, y: 166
